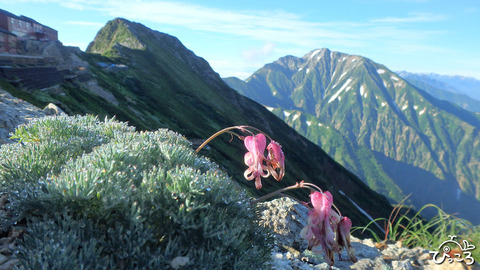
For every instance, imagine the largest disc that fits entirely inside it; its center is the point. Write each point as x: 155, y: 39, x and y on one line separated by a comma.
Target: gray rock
x: 14, y: 112
x: 52, y: 109
x: 287, y: 218
x: 402, y: 265
x: 363, y: 251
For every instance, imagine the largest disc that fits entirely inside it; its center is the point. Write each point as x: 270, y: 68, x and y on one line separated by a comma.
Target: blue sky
x: 239, y: 37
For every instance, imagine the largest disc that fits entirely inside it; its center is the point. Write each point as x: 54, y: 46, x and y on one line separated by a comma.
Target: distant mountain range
x: 396, y: 137
x: 463, y: 91
x: 152, y: 81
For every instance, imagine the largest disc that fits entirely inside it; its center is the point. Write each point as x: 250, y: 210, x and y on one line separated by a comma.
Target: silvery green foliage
x: 99, y: 195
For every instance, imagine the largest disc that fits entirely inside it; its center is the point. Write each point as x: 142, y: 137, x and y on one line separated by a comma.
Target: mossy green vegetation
x: 96, y: 194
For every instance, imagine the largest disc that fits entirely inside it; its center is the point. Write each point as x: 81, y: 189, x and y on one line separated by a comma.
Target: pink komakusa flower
x: 318, y: 231
x: 343, y: 237
x: 276, y: 160
x: 255, y: 159
x: 323, y: 222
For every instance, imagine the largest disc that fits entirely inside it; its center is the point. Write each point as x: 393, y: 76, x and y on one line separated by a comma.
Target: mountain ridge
x: 443, y: 90
x: 374, y: 108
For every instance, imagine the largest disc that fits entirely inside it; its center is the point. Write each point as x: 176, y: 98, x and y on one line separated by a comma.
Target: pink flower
x: 343, y: 237
x: 319, y: 231
x: 323, y: 222
x: 276, y: 160
x: 322, y: 204
x: 254, y: 159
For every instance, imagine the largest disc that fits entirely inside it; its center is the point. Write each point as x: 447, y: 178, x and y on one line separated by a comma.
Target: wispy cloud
x: 258, y: 54
x: 400, y: 35
x: 412, y: 18
x: 273, y: 26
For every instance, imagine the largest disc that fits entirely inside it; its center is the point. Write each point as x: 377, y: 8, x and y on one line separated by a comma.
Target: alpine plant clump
x: 92, y: 194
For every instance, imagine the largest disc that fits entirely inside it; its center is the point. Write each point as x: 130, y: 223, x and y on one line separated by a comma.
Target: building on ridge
x: 15, y: 28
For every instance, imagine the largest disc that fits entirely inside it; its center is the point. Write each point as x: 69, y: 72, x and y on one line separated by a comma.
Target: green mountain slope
x: 152, y: 81
x: 397, y: 138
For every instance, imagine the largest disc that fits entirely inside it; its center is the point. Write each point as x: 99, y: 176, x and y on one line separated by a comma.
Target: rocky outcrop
x: 52, y: 109
x: 14, y: 112
x: 287, y: 217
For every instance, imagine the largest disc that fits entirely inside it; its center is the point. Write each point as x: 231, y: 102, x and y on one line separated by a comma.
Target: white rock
x: 402, y: 265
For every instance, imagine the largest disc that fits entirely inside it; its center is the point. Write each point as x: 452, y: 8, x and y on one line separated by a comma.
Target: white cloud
x: 279, y: 32
x: 256, y: 54
x: 273, y: 26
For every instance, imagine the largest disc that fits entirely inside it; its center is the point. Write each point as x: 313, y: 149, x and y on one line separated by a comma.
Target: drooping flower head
x: 276, y: 160
x: 343, y: 237
x: 318, y: 231
x: 255, y: 159
x: 322, y: 204
x: 323, y: 222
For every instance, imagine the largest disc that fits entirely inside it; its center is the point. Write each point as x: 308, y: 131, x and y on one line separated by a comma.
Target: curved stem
x: 312, y: 185
x: 218, y: 133
x: 266, y: 135
x: 297, y: 185
x: 227, y: 130
x: 338, y: 210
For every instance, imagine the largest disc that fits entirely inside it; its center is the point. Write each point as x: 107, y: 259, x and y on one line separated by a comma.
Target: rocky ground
x: 14, y: 112
x: 287, y: 218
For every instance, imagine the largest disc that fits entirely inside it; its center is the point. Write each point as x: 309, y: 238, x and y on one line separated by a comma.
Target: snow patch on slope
x: 362, y: 89
x: 295, y: 117
x: 339, y: 91
x: 380, y: 71
x: 315, y: 53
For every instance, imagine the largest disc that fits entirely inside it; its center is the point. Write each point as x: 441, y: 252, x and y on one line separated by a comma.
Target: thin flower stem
x: 227, y: 130
x: 295, y: 199
x: 311, y: 185
x: 302, y: 184
x: 338, y: 210
x: 266, y: 135
x: 297, y: 185
x: 216, y: 134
